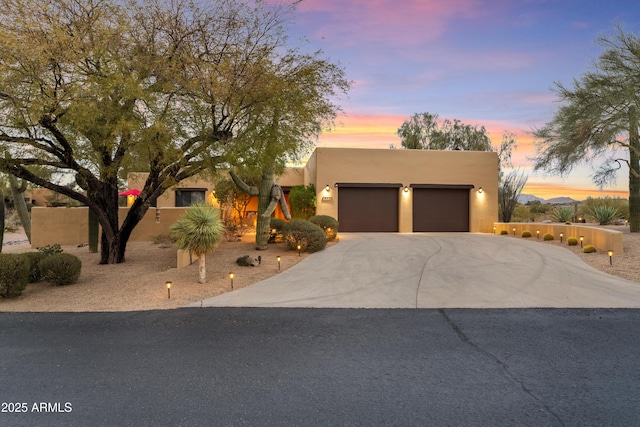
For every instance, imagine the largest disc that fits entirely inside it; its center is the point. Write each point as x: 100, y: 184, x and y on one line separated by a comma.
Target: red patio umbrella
x: 132, y: 192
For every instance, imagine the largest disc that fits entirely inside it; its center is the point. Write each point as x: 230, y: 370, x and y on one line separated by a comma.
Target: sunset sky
x: 490, y: 63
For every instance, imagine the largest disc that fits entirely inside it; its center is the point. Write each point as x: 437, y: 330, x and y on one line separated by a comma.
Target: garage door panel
x: 368, y: 209
x: 440, y: 209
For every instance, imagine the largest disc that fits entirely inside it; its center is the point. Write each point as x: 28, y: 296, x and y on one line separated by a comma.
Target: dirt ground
x: 139, y: 283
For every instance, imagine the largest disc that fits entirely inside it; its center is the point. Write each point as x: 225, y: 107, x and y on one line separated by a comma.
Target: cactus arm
x: 284, y: 207
x: 252, y: 191
x: 21, y: 205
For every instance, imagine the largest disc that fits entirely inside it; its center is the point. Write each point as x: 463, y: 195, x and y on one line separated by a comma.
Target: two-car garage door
x: 375, y: 207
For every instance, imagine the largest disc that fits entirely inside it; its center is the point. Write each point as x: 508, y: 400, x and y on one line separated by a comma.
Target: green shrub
x: 310, y: 237
x: 589, y: 249
x: 61, y: 269
x: 604, y: 214
x: 562, y: 214
x: 302, y: 200
x: 504, y: 232
x: 14, y: 275
x: 547, y: 236
x: 276, y: 230
x: 33, y: 259
x: 590, y: 203
x: 572, y: 241
x: 328, y: 224
x: 526, y: 233
x: 51, y: 249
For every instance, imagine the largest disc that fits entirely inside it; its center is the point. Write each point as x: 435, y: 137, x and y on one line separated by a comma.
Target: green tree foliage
x: 599, y: 116
x: 93, y: 89
x: 198, y: 231
x: 303, y: 201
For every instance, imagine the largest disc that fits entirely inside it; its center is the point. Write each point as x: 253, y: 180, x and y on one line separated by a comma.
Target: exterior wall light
x: 610, y: 257
x: 231, y: 276
x: 327, y: 188
x: 581, y: 240
x: 406, y: 189
x: 480, y: 190
x: 168, y: 285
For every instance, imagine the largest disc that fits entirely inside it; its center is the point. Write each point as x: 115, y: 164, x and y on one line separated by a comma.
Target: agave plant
x: 198, y: 231
x: 562, y: 214
x: 604, y: 214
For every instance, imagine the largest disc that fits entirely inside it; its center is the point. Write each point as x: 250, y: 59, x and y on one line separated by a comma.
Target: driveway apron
x: 437, y: 270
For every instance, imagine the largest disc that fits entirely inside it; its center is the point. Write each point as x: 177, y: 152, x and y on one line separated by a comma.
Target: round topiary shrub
x: 310, y: 237
x: 328, y: 223
x: 526, y: 233
x: 589, y: 249
x: 547, y: 236
x: 572, y: 241
x: 61, y: 269
x: 504, y: 232
x: 33, y: 259
x: 14, y: 275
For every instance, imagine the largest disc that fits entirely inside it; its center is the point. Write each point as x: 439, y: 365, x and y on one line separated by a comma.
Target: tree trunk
x: 93, y: 232
x: 202, y: 269
x: 1, y: 219
x: 634, y: 171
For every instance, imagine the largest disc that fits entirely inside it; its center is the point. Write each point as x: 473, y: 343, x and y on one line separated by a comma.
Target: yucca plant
x: 604, y: 214
x: 198, y: 231
x: 562, y: 214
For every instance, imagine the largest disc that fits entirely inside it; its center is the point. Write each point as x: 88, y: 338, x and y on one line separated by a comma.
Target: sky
x: 489, y: 63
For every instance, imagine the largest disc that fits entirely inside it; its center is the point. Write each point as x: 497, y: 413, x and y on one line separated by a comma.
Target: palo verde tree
x: 90, y: 89
x: 599, y: 115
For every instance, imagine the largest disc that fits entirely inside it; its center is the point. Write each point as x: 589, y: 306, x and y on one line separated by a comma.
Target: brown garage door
x: 368, y: 208
x: 441, y: 208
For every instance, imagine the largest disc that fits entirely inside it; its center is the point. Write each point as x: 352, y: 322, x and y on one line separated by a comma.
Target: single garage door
x: 441, y: 207
x: 368, y: 207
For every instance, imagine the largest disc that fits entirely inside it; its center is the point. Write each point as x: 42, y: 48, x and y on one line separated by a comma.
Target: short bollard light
x: 299, y: 249
x: 168, y: 284
x: 514, y: 231
x: 231, y: 276
x: 494, y: 229
x: 279, y: 259
x: 581, y: 240
x: 538, y: 234
x: 610, y: 257
x: 561, y: 236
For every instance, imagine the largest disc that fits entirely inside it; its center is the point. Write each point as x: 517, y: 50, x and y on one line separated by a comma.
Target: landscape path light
x: 538, y: 234
x: 561, y: 236
x: 514, y: 231
x: 581, y: 240
x: 299, y: 249
x: 279, y: 259
x: 610, y: 257
x: 494, y: 229
x: 231, y: 276
x: 168, y: 285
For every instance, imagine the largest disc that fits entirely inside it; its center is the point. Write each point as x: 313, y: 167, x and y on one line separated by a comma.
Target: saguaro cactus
x: 17, y: 191
x: 269, y: 194
x: 93, y: 232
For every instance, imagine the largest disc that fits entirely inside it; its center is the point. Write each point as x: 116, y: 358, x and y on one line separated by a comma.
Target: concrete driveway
x: 437, y: 270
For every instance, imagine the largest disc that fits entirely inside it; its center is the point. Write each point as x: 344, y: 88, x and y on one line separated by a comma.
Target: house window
x: 188, y: 196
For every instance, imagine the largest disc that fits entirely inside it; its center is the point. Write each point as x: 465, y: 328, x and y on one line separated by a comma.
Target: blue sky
x: 486, y: 62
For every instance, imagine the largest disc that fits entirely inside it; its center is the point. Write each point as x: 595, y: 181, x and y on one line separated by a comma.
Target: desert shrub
x: 572, y: 241
x: 504, y: 232
x: 310, y: 237
x: 591, y: 203
x: 162, y: 239
x: 328, y: 223
x: 61, y: 269
x: 547, y: 236
x: 526, y: 233
x: 276, y: 230
x: 51, y: 249
x: 562, y: 214
x: 604, y: 214
x: 589, y: 249
x: 14, y: 275
x: 234, y: 229
x: 33, y: 259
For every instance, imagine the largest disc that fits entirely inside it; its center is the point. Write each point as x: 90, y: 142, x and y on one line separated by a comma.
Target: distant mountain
x: 526, y: 198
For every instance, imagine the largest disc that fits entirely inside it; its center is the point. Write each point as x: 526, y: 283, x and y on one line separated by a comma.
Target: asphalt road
x: 254, y: 366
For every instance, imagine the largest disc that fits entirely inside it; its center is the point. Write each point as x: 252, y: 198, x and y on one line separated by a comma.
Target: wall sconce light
x: 480, y: 190
x: 538, y: 234
x: 561, y: 236
x: 514, y: 231
x: 610, y: 257
x: 581, y: 240
x: 279, y: 259
x: 168, y: 284
x: 406, y: 189
x: 327, y: 188
x: 231, y: 276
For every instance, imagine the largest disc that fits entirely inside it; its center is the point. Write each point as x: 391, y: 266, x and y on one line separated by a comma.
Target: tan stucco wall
x: 406, y: 167
x: 69, y: 226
